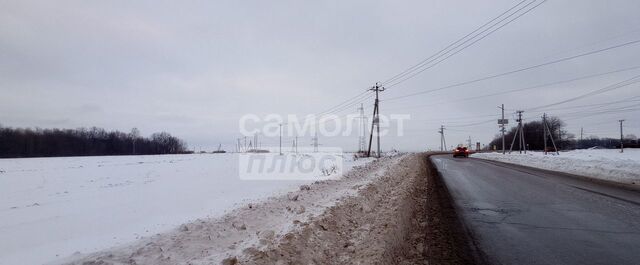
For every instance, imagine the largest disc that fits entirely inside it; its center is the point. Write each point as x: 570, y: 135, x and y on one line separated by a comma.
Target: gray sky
x: 193, y: 68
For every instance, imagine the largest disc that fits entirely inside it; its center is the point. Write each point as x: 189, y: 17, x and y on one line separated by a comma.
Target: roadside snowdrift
x: 384, y: 223
x: 246, y: 231
x: 606, y: 164
x: 51, y: 208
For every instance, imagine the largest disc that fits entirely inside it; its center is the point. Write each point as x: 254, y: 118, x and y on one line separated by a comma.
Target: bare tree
x: 27, y: 142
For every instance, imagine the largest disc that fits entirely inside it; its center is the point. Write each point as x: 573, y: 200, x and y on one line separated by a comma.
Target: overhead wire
x: 627, y: 82
x: 438, y: 54
x: 517, y: 70
x: 583, y: 114
x: 348, y: 101
x: 361, y: 96
x: 472, y: 43
x: 524, y: 88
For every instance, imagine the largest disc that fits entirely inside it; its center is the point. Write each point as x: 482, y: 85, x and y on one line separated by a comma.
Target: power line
x: 517, y: 70
x: 629, y: 108
x: 595, y: 124
x: 459, y: 117
x: 375, y: 120
x: 585, y: 114
x: 595, y: 92
x: 613, y: 111
x: 471, y: 124
x: 358, y: 99
x: 361, y: 99
x: 524, y: 88
x: 632, y: 99
x: 618, y: 85
x: 349, y: 100
x: 438, y: 62
x: 453, y: 127
x: 438, y: 54
x: 341, y: 109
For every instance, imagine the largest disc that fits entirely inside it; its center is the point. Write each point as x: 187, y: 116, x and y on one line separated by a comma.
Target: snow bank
x: 607, y: 164
x: 51, y: 208
x: 247, y: 230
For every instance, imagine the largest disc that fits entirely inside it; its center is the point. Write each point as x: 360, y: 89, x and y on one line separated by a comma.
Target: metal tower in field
x: 255, y: 141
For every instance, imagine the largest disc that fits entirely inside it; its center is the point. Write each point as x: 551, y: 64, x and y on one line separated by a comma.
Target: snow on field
x: 607, y: 164
x: 51, y: 208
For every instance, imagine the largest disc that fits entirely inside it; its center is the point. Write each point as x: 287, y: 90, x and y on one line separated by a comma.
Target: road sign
x: 503, y: 121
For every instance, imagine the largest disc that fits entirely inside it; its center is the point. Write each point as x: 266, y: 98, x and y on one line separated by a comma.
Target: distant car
x: 461, y: 151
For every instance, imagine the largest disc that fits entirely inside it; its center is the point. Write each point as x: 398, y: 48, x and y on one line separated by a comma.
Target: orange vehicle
x: 461, y: 151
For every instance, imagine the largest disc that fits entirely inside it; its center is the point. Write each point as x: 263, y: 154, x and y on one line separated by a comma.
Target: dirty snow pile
x: 607, y: 164
x: 51, y: 208
x: 248, y: 231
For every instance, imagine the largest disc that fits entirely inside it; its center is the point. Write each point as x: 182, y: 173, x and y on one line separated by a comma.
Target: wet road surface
x: 519, y: 215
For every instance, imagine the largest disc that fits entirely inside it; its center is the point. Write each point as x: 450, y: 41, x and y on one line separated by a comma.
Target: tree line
x: 27, y: 142
x: 534, y: 137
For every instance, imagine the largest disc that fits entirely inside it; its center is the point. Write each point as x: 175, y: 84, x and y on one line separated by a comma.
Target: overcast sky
x: 193, y: 68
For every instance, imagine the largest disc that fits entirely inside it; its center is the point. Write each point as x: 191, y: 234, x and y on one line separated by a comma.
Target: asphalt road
x: 519, y: 215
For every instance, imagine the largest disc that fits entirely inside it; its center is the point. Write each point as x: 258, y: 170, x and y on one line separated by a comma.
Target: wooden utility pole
x: 544, y: 132
x: 621, y: 137
x: 519, y: 133
x: 376, y: 119
x: 280, y: 138
x: 362, y: 130
x: 581, y: 134
x: 503, y: 123
x: 547, y: 131
x: 443, y: 142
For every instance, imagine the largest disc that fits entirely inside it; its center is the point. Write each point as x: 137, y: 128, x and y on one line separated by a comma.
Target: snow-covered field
x: 51, y: 208
x: 607, y: 164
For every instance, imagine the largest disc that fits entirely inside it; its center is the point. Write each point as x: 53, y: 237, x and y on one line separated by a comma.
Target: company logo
x: 306, y: 164
x: 274, y: 125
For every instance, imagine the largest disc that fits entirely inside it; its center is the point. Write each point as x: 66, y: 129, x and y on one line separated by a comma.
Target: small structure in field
x: 219, y: 151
